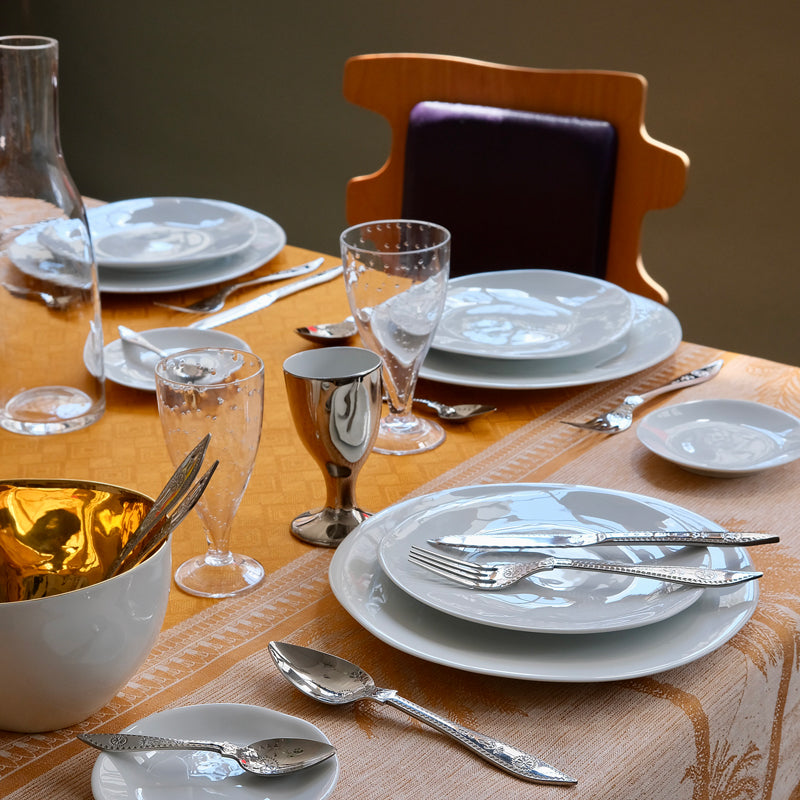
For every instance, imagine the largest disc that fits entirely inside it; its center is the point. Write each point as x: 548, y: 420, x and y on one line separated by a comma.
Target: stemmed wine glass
x: 395, y: 275
x: 218, y: 391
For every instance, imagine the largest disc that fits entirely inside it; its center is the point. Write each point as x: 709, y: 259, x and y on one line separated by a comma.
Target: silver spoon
x: 457, y: 413
x: 329, y: 333
x: 51, y: 301
x: 335, y: 681
x: 266, y: 757
x: 191, y: 372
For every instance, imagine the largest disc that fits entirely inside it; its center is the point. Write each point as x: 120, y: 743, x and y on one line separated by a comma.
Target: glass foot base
x: 50, y: 409
x: 406, y: 435
x: 328, y: 526
x: 210, y: 578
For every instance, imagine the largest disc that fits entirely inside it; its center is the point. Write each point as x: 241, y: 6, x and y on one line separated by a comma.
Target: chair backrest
x: 646, y: 174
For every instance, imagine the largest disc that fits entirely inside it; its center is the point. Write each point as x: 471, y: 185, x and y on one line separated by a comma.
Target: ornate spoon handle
x: 128, y: 742
x: 502, y: 755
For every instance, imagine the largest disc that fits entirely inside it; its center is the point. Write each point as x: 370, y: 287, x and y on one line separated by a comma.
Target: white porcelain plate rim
x: 531, y: 314
x: 373, y: 600
x: 208, y: 229
x: 709, y: 436
x: 568, y: 602
x: 270, y: 239
x: 655, y: 335
x: 123, y: 776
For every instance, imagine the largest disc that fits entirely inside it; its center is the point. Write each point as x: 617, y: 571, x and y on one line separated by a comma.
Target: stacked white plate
x: 162, y: 244
x: 534, y: 329
x: 562, y: 625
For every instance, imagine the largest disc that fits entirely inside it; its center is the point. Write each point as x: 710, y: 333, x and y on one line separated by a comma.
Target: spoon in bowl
x: 265, y: 757
x: 192, y: 372
x: 335, y: 681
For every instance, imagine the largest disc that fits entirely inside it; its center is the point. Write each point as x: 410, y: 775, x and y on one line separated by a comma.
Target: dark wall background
x: 241, y: 100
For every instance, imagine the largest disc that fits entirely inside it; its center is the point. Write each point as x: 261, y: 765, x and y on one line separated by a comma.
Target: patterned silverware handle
x: 693, y: 576
x: 697, y: 538
x: 700, y: 375
x: 129, y: 742
x: 502, y: 755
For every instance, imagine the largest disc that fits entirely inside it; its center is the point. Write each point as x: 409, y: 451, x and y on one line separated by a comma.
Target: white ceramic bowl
x: 65, y: 656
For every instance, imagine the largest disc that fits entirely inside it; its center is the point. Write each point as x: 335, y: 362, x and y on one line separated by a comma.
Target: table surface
x: 726, y: 726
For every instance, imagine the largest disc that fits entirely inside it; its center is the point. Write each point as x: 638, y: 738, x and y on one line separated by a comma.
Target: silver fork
x: 498, y: 575
x: 216, y: 301
x: 620, y: 418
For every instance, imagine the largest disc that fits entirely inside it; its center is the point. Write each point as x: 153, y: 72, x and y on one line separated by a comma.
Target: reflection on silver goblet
x: 335, y: 396
x: 395, y: 274
x: 218, y: 391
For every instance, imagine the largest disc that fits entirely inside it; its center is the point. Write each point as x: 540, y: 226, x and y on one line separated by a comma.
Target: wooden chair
x: 647, y: 175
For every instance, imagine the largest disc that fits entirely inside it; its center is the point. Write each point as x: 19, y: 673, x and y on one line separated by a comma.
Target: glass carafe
x: 51, y: 339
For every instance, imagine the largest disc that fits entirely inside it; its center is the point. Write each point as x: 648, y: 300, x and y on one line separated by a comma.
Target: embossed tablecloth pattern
x: 726, y: 726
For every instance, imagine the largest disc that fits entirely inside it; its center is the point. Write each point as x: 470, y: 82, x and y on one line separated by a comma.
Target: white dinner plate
x: 374, y: 601
x: 185, y: 775
x: 148, y: 233
x: 269, y: 240
x: 557, y: 601
x: 654, y: 335
x: 722, y: 438
x: 531, y: 313
x: 130, y: 365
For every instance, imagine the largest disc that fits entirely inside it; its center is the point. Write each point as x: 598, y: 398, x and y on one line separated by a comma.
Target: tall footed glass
x: 395, y: 274
x: 53, y: 382
x: 218, y: 391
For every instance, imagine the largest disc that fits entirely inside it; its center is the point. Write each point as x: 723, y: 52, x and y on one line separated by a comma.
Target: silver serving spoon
x: 329, y: 333
x: 266, y: 757
x: 192, y: 372
x: 335, y: 681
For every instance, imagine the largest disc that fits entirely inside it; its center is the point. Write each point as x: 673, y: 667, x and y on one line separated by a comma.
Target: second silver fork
x: 498, y: 575
x: 214, y: 302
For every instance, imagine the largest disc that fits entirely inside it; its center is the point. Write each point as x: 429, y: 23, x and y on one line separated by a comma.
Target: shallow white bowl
x: 131, y: 365
x: 722, y: 438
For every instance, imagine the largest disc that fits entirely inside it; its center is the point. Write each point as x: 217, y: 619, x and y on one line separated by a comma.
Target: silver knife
x: 265, y: 300
x: 531, y: 540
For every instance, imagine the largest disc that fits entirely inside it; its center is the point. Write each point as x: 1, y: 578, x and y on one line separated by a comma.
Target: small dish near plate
x: 155, y: 232
x: 559, y: 601
x: 531, y: 314
x: 186, y: 775
x: 131, y: 365
x: 722, y: 438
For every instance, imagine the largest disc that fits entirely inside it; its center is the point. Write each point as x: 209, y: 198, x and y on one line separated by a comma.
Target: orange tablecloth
x: 726, y: 726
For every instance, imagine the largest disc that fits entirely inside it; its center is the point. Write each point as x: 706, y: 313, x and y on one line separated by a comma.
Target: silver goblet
x: 335, y: 398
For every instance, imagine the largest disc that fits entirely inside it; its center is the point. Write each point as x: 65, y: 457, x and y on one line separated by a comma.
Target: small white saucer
x: 133, y: 366
x: 722, y: 438
x: 187, y: 775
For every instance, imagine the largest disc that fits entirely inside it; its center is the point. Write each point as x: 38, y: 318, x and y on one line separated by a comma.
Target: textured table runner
x: 725, y: 726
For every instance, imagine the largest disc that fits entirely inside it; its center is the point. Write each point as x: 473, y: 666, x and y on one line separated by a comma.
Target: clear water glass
x: 395, y: 274
x: 218, y: 391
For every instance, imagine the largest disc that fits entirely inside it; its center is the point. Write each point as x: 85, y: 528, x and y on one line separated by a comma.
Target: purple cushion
x: 516, y: 189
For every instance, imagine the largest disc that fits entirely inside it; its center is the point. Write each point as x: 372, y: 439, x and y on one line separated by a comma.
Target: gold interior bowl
x: 71, y: 638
